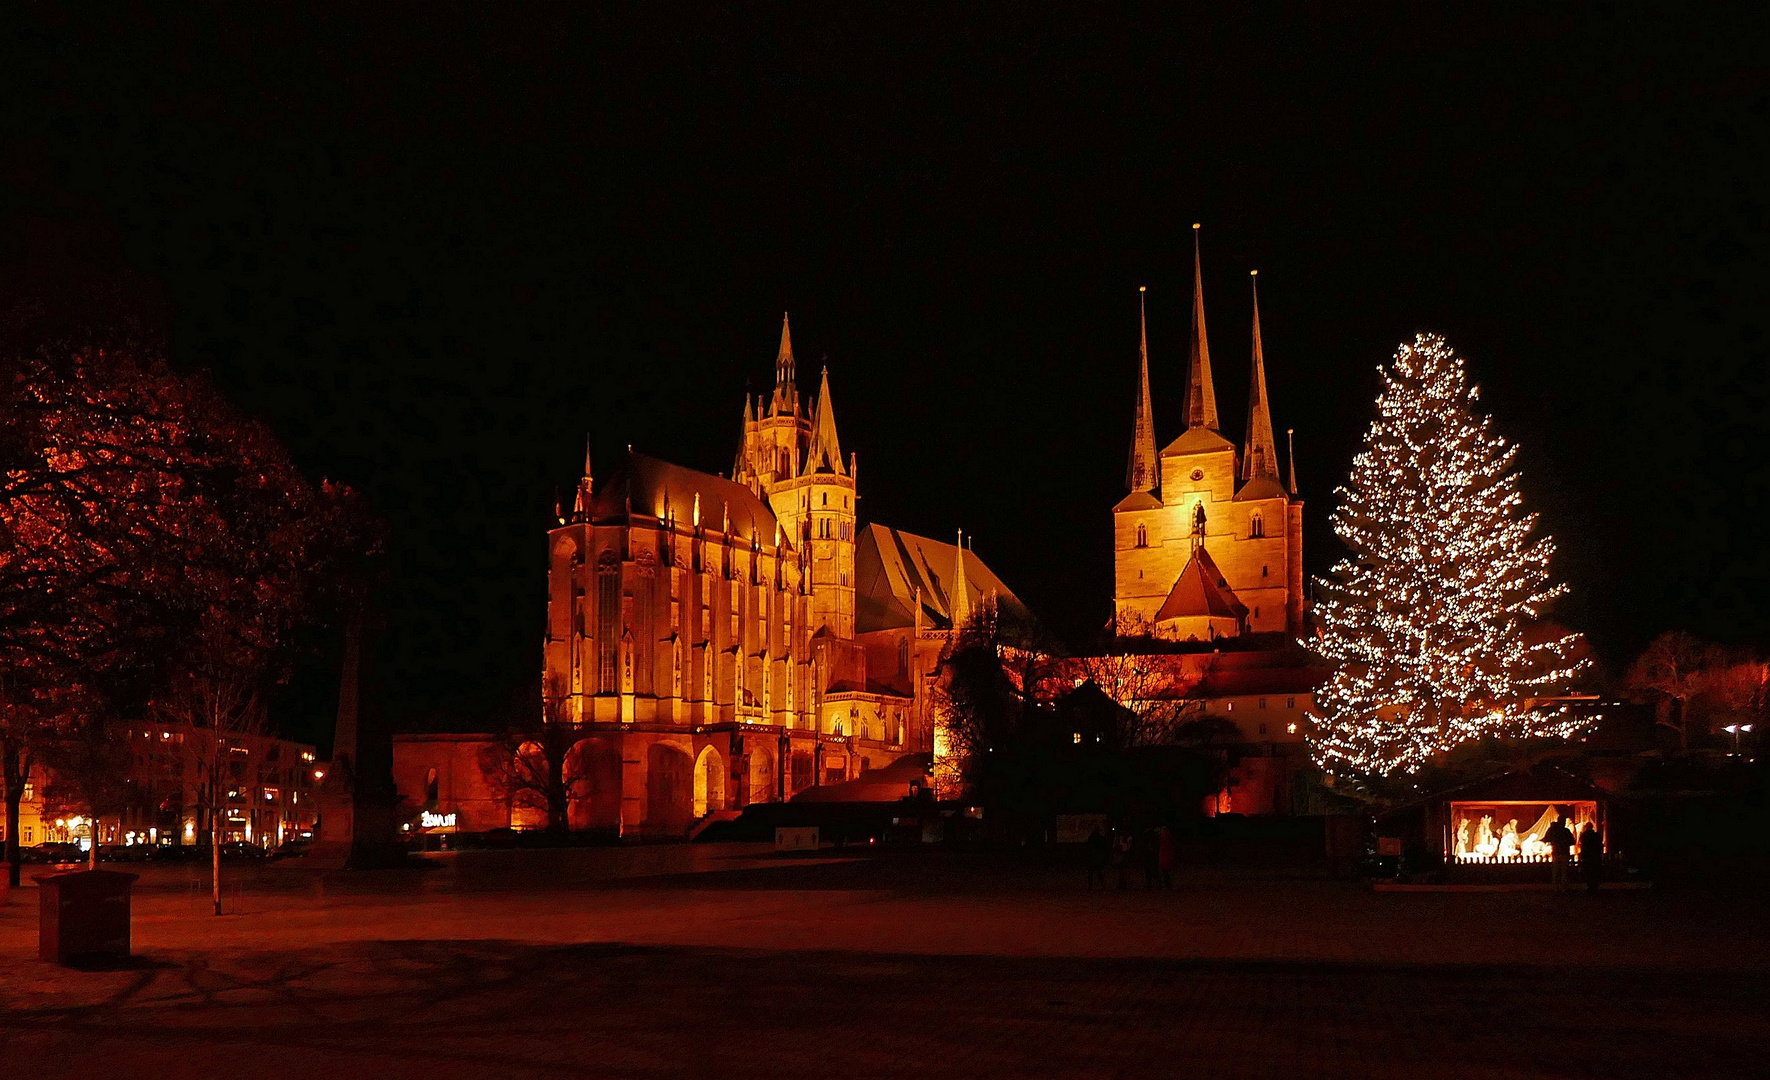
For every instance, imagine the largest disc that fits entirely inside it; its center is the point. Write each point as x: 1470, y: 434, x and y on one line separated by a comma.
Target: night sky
x: 432, y: 246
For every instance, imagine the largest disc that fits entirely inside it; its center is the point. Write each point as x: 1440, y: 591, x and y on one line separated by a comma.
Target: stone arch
x: 669, y: 788
x: 592, y: 776
x: 761, y: 778
x: 709, y: 782
x: 528, y: 808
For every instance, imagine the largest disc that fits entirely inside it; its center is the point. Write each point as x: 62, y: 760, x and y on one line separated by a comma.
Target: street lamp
x: 1735, y: 730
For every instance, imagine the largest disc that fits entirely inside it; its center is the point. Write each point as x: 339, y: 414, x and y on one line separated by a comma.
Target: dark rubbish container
x: 83, y: 917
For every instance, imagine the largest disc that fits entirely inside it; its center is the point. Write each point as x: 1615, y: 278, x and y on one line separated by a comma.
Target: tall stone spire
x: 581, y: 507
x: 1143, y: 473
x: 1201, y: 397
x: 1259, y: 456
x: 786, y: 392
x: 1290, y: 438
x: 826, y: 449
x: 958, y: 593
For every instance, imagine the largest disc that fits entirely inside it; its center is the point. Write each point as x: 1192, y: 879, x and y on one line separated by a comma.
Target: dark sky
x: 433, y: 245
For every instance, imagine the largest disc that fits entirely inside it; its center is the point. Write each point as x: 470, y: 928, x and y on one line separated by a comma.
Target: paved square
x: 725, y: 962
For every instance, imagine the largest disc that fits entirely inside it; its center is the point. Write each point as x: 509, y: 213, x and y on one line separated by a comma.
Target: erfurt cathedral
x: 1209, y: 542
x: 728, y: 640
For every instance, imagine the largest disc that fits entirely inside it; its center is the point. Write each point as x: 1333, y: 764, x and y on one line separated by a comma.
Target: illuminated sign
x: 428, y: 820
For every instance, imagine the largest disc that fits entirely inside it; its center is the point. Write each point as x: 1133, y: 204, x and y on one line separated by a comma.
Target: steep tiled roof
x: 890, y: 565
x: 1201, y: 592
x: 652, y: 484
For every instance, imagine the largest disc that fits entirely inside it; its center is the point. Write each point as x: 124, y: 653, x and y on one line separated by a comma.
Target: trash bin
x: 83, y: 917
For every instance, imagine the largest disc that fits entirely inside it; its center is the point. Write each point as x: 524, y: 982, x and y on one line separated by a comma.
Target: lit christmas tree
x: 1426, y: 620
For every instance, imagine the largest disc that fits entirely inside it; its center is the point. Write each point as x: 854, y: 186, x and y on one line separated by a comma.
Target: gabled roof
x: 890, y: 565
x: 651, y: 484
x: 1138, y: 500
x: 1261, y: 487
x: 1198, y: 440
x: 1201, y: 592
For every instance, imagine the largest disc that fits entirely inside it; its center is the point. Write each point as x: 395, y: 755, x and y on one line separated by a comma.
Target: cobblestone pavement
x: 760, y: 970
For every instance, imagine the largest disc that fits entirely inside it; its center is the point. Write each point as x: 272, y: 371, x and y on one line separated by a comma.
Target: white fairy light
x: 1425, y: 621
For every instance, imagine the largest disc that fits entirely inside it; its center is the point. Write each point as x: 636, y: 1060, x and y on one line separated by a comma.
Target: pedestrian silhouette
x: 1097, y: 856
x: 1591, y: 856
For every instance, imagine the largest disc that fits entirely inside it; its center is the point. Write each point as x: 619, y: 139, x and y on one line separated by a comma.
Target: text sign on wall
x: 429, y: 820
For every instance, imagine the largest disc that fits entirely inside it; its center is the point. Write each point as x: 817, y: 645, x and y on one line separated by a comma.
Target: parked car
x: 291, y: 849
x: 238, y: 849
x: 53, y: 851
x: 124, y: 853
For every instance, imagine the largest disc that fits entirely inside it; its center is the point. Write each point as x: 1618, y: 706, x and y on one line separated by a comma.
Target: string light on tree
x: 1426, y: 620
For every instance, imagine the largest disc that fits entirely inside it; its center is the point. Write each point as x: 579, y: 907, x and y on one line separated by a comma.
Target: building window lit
x: 1078, y: 738
x: 1292, y: 728
x: 1229, y: 706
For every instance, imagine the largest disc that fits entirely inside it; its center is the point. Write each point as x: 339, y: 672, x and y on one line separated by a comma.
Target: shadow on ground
x: 495, y: 1009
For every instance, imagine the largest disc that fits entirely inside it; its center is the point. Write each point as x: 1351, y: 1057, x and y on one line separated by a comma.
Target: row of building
x: 268, y: 797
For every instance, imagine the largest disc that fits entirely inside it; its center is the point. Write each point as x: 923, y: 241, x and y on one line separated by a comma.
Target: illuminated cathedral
x: 1208, y: 543
x: 727, y: 640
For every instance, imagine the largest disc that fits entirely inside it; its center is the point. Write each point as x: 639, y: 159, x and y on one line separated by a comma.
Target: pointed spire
x: 1201, y: 396
x: 581, y: 504
x: 786, y: 392
x: 1290, y: 438
x: 1259, y: 457
x: 958, y: 592
x: 826, y: 449
x: 1143, y: 473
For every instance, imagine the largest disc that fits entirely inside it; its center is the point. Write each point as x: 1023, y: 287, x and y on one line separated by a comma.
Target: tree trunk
x: 14, y: 768
x: 215, y: 805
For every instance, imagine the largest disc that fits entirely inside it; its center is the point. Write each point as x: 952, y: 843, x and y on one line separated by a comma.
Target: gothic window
x: 826, y: 498
x: 1256, y: 528
x: 430, y: 786
x: 644, y: 607
x: 608, y: 627
x: 903, y: 656
x: 1142, y: 536
x: 1198, y: 520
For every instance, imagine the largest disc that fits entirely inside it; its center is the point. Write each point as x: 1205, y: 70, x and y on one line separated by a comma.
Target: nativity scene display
x: 1517, y: 832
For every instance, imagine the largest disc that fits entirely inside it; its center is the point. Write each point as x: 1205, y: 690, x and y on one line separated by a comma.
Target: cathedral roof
x: 648, y: 485
x: 1138, y: 500
x: 1201, y: 591
x: 890, y: 565
x: 1198, y: 440
x: 1262, y: 487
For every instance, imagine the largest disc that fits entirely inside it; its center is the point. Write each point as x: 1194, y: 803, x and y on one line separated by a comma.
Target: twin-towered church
x: 1209, y: 541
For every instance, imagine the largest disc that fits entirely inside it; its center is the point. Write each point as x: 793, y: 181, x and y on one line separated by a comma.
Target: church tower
x: 792, y: 457
x: 1207, y: 543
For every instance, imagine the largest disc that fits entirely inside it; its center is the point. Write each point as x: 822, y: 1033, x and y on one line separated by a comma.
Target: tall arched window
x: 1256, y: 528
x: 608, y: 622
x: 1142, y: 536
x: 430, y: 788
x: 1198, y: 520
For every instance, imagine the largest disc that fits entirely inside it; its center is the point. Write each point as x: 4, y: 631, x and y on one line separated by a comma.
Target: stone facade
x: 722, y: 641
x: 1207, y: 510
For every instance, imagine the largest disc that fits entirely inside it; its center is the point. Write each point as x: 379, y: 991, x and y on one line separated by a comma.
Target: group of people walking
x: 1150, y: 849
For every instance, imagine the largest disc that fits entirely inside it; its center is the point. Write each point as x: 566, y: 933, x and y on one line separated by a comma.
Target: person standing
x: 1164, y: 856
x: 1097, y: 855
x: 1560, y: 839
x: 1591, y: 856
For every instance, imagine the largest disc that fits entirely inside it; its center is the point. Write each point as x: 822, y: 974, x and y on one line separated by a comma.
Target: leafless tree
x: 526, y: 764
